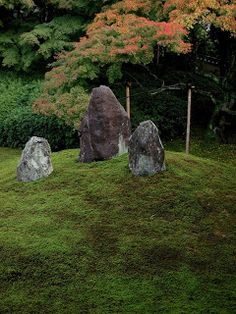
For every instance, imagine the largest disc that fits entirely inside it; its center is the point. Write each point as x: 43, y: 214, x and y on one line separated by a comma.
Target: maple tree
x: 123, y: 33
x: 207, y: 17
x: 219, y: 13
x: 215, y: 18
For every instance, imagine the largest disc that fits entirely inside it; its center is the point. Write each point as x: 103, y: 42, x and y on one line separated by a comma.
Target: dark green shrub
x: 21, y: 124
x: 166, y: 110
x: 16, y: 92
x: 18, y: 123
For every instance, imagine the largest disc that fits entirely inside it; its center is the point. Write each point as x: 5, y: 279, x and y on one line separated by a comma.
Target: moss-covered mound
x: 91, y: 238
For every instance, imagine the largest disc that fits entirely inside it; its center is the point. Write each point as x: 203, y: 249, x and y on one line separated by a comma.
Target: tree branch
x: 177, y: 86
x: 151, y: 74
x: 136, y: 81
x: 205, y: 93
x: 231, y: 112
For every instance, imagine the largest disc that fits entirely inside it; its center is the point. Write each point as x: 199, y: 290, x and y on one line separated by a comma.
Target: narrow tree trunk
x: 188, y: 121
x: 128, y: 84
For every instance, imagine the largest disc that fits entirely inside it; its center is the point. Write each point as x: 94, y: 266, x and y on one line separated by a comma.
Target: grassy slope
x: 93, y: 239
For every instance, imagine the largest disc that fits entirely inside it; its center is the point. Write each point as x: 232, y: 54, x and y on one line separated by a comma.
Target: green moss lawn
x: 92, y: 238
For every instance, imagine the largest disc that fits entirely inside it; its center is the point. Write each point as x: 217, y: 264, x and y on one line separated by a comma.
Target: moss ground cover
x: 92, y: 238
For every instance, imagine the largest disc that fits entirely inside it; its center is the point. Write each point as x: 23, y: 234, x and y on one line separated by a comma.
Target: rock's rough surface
x: 105, y: 129
x: 146, y: 152
x: 35, y: 160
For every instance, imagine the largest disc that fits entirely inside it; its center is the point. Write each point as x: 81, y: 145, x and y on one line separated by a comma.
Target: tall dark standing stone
x: 146, y: 152
x: 105, y: 130
x: 35, y: 160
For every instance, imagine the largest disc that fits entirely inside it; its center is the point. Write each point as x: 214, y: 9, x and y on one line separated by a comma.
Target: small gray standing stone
x: 146, y: 152
x: 35, y: 160
x: 105, y: 130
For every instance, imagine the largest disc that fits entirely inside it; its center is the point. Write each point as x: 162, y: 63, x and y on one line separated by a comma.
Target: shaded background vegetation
x: 34, y: 33
x: 17, y: 121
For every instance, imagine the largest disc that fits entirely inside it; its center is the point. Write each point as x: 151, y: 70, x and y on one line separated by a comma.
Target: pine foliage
x: 25, y: 49
x: 48, y: 39
x: 11, y: 4
x: 32, y: 32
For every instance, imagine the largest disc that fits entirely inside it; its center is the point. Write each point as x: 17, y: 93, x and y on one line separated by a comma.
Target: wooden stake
x: 128, y: 85
x: 188, y: 119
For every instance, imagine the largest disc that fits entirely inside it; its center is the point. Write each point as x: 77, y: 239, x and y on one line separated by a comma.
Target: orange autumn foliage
x: 123, y: 33
x: 220, y: 13
x: 127, y: 32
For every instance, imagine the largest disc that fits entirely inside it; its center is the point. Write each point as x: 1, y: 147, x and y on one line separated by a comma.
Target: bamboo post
x: 190, y: 87
x: 128, y: 85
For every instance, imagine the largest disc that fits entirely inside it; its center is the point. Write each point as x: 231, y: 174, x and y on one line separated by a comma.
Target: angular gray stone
x: 146, y: 152
x: 105, y: 130
x: 35, y: 160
